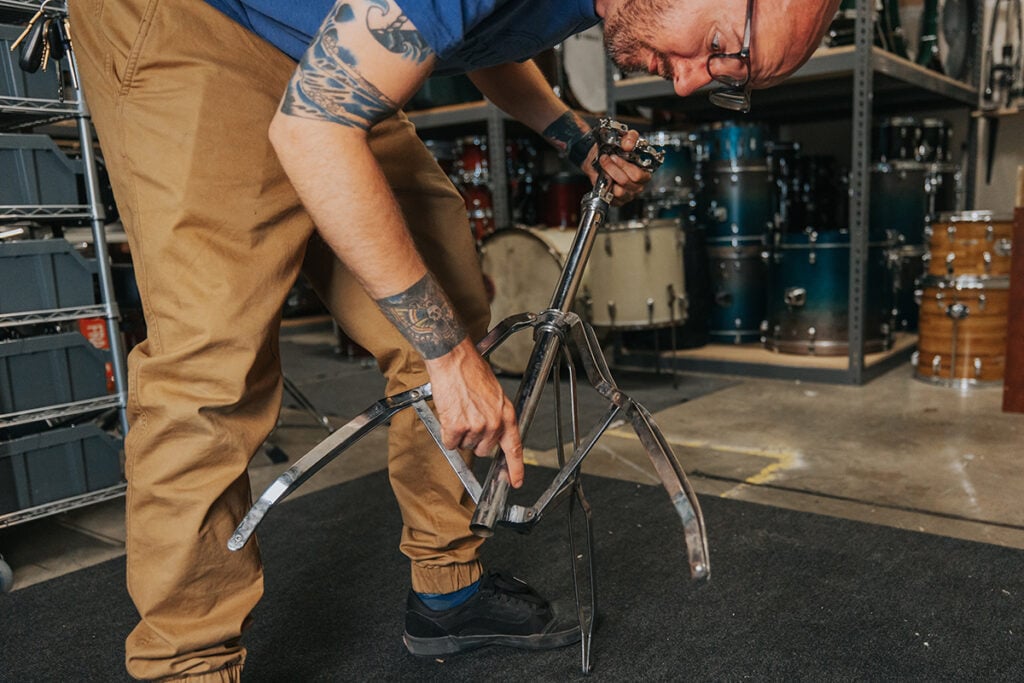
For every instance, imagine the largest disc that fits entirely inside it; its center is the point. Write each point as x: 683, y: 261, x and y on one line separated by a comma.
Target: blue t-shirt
x: 465, y: 34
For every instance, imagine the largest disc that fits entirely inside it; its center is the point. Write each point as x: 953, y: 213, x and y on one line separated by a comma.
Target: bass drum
x: 523, y: 265
x: 635, y: 276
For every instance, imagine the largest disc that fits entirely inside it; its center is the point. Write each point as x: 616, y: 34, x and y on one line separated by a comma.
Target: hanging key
x: 64, y: 29
x: 32, y: 51
x: 46, y: 43
x: 28, y: 27
x: 55, y: 38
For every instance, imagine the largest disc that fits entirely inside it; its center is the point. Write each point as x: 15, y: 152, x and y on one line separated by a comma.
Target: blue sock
x: 443, y: 601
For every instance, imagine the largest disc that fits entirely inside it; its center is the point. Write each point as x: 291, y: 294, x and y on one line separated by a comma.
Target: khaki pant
x: 181, y: 98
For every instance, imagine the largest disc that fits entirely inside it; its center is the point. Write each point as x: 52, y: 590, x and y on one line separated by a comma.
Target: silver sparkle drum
x: 523, y: 266
x: 635, y: 277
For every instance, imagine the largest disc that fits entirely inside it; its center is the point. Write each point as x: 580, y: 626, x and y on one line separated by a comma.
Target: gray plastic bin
x: 14, y: 82
x: 51, y: 466
x: 39, y: 275
x: 50, y: 370
x: 34, y: 171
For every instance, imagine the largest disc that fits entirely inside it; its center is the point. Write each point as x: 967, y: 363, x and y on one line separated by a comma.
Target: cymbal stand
x: 555, y: 331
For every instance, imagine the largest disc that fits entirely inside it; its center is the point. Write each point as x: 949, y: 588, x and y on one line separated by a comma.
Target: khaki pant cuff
x: 444, y: 578
x: 228, y: 674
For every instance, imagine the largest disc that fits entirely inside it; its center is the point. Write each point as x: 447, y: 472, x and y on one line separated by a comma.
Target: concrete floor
x: 896, y: 452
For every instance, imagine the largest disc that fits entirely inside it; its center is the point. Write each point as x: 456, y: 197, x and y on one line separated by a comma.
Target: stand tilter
x: 556, y: 331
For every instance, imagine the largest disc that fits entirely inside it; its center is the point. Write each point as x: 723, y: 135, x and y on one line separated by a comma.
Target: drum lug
x: 951, y: 233
x: 1003, y: 247
x: 981, y: 302
x: 977, y: 368
x: 990, y: 233
x: 650, y: 311
x: 936, y: 365
x: 950, y: 258
x: 987, y: 258
x: 812, y: 334
x: 796, y: 297
x: 958, y: 311
x: 587, y: 301
x: 611, y: 312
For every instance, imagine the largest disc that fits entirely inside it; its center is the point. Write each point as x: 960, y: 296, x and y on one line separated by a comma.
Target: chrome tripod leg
x: 678, y: 487
x: 586, y: 620
x: 321, y: 454
x: 305, y: 403
x: 585, y: 613
x: 671, y: 473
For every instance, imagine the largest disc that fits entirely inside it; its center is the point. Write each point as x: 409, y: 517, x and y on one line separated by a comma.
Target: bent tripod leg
x: 671, y: 473
x: 328, y: 449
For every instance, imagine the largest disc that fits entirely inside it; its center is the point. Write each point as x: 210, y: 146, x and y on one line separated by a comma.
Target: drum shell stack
x: 965, y: 301
x: 913, y: 180
x: 735, y: 205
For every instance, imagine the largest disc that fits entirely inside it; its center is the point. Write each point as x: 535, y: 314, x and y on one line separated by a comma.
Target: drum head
x: 524, y: 265
x: 583, y: 59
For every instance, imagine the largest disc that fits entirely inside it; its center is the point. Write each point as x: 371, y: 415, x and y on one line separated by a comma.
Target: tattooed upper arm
x: 346, y: 78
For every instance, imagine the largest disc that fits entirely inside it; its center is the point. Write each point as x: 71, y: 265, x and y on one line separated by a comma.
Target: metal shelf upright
x: 22, y: 113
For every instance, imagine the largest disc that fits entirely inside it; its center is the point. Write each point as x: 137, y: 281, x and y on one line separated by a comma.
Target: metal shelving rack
x: 485, y: 115
x: 19, y: 113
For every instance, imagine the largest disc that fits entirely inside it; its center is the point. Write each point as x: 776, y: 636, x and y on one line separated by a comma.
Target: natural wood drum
x: 973, y: 243
x: 963, y: 331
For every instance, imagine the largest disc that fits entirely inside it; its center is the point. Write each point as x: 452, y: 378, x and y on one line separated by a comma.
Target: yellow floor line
x: 782, y: 459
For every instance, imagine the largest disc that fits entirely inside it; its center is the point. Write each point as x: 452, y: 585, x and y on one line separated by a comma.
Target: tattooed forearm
x: 328, y: 87
x: 423, y: 315
x: 568, y: 134
x: 398, y: 35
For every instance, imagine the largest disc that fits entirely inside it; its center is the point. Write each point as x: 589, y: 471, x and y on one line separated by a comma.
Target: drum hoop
x: 962, y: 383
x: 897, y: 121
x: 645, y: 224
x: 968, y: 282
x: 978, y: 216
x: 898, y: 165
x: 533, y: 234
x: 832, y: 346
x: 735, y: 253
x: 835, y: 245
x: 730, y: 167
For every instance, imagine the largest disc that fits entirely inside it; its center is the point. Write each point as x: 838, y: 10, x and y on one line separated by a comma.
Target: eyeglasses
x: 723, y: 68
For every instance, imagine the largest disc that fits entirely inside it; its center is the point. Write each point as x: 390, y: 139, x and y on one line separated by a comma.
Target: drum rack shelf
x: 831, y: 71
x: 858, y: 82
x: 18, y: 112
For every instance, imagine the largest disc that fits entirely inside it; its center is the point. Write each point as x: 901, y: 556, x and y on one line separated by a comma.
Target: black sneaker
x: 504, y: 611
